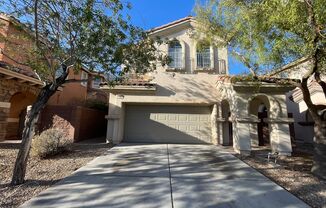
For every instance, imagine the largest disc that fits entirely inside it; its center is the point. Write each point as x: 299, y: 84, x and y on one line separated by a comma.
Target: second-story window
x: 84, y: 76
x: 175, y: 53
x: 96, y: 83
x: 203, y: 56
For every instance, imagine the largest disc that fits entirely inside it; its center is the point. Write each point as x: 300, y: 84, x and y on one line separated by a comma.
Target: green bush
x: 50, y: 142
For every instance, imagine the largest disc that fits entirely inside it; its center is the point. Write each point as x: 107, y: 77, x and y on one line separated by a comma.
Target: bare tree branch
x: 246, y: 62
x: 320, y: 82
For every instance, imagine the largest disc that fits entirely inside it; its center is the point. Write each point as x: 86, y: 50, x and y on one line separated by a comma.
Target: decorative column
x: 220, y: 120
x: 280, y: 135
x: 214, y: 124
x: 4, y: 114
x: 113, y: 134
x: 211, y: 50
x: 184, y: 64
x: 111, y: 119
x: 241, y: 136
x: 279, y: 125
x: 194, y: 56
x: 254, y: 134
x: 241, y: 130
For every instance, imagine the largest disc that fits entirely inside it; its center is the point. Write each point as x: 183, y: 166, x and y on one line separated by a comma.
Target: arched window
x: 203, y: 56
x: 175, y: 53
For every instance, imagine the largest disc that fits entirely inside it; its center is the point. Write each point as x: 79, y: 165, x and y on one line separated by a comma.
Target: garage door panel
x: 167, y: 124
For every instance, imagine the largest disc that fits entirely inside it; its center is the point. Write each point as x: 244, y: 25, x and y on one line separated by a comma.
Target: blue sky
x: 152, y: 13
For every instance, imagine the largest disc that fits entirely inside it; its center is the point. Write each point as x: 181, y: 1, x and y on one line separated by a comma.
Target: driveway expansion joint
x: 170, y: 178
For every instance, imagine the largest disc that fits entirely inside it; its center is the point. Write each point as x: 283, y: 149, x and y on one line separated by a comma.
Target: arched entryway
x: 18, y: 106
x: 227, y: 124
x: 259, y: 107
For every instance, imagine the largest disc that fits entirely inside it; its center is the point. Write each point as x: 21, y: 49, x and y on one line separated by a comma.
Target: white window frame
x: 96, y: 82
x: 204, y: 58
x: 176, y: 55
x: 83, y: 76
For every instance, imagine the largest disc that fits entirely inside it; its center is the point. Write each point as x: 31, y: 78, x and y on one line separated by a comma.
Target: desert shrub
x: 50, y: 142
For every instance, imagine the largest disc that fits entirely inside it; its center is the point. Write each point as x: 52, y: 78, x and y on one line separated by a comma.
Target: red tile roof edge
x: 25, y: 72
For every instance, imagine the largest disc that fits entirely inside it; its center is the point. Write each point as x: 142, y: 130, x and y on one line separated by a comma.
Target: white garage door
x: 167, y: 124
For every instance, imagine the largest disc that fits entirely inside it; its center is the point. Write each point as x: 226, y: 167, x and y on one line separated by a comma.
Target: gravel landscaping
x: 41, y: 174
x: 292, y: 173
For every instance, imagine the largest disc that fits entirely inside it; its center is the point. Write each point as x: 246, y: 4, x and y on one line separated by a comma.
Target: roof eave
x: 11, y: 74
x: 177, y: 23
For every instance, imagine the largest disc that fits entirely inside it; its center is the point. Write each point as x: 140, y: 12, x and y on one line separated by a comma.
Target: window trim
x: 97, y: 86
x: 205, y: 56
x: 84, y: 75
x: 177, y: 51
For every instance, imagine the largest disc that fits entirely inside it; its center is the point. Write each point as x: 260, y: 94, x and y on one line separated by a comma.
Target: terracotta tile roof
x: 134, y: 81
x: 185, y: 19
x: 25, y: 72
x: 137, y: 82
x: 230, y: 78
x: 224, y: 78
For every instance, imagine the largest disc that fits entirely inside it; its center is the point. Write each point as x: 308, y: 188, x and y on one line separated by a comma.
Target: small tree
x: 266, y: 34
x: 68, y: 35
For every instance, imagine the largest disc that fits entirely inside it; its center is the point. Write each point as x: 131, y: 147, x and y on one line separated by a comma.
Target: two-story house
x: 194, y: 100
x: 19, y: 85
x: 173, y: 103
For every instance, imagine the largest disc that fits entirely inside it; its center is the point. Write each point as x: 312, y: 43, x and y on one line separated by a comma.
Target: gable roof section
x: 179, y: 22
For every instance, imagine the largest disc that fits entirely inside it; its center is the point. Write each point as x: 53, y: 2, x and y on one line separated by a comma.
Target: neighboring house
x: 78, y: 108
x: 79, y: 93
x: 67, y: 109
x: 19, y: 85
x: 304, y: 123
x: 192, y: 100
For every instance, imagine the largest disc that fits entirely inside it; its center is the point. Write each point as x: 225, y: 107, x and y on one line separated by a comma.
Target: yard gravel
x: 41, y: 174
x: 293, y: 174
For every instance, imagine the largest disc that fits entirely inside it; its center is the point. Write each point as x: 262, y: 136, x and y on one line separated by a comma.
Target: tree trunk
x: 319, y: 166
x: 46, y: 92
x: 27, y: 135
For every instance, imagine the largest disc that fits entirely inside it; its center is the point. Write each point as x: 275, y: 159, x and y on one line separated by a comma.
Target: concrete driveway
x: 162, y: 175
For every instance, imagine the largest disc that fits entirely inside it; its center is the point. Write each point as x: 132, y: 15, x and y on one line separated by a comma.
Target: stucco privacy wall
x: 77, y: 122
x: 244, y: 115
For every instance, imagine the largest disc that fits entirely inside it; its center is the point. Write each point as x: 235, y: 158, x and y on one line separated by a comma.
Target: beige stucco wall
x: 243, y: 108
x: 71, y: 93
x: 303, y: 133
x: 174, y: 88
x: 184, y: 34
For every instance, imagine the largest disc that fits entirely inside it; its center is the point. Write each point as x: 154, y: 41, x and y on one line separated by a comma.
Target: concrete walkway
x: 163, y: 175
